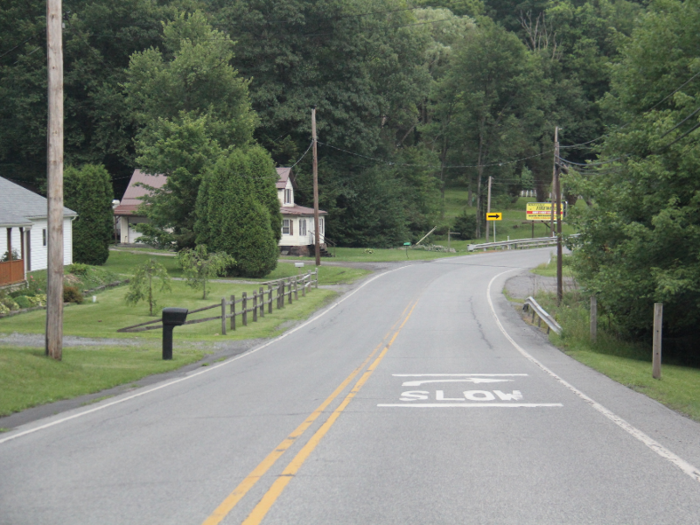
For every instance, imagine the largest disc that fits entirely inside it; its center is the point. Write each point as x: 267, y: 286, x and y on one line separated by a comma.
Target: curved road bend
x: 420, y: 398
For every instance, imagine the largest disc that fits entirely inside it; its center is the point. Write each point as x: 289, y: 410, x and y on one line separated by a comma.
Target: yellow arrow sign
x: 494, y: 216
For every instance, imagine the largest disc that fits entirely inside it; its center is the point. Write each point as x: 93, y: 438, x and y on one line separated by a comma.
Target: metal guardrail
x: 517, y: 243
x: 514, y: 244
x: 531, y: 304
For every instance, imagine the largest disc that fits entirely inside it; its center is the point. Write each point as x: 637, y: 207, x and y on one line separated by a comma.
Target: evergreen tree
x: 88, y: 191
x: 232, y: 219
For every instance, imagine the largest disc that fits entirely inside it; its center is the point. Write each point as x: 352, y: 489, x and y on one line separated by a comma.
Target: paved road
x: 419, y: 398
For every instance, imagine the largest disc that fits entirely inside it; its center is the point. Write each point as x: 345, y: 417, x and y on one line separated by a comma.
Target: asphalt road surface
x: 419, y: 398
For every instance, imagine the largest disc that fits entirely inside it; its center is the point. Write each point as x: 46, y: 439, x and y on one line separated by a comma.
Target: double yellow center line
x: 265, y: 504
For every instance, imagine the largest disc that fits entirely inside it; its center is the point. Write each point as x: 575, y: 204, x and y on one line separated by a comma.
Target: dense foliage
x: 640, y: 240
x: 88, y: 191
x: 410, y: 98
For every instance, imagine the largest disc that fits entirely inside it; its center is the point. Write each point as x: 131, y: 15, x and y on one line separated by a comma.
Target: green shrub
x: 466, y: 226
x: 72, y: 295
x: 231, y: 218
x: 24, y: 292
x: 9, y: 303
x: 4, y: 309
x: 23, y: 302
x: 78, y: 269
x: 88, y: 191
x: 37, y: 300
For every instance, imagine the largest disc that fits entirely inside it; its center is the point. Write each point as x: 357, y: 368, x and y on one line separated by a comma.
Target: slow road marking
x: 480, y: 398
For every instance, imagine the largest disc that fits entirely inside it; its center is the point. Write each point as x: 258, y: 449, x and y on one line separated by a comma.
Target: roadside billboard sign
x: 540, y: 211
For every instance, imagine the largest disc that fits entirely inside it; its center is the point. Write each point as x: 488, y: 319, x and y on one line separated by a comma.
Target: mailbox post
x: 172, y: 317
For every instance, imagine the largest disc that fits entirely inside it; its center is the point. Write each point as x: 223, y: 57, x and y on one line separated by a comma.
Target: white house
x: 127, y: 210
x: 23, y: 215
x: 297, y: 221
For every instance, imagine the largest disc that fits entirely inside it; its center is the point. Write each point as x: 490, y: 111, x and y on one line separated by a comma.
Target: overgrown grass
x: 549, y: 269
x: 628, y: 363
x: 29, y: 378
x: 94, y: 277
x: 110, y: 313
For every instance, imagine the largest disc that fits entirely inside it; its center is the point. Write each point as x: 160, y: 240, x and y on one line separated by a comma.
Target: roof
x: 133, y: 196
x: 19, y: 205
x: 300, y: 210
x: 284, y: 175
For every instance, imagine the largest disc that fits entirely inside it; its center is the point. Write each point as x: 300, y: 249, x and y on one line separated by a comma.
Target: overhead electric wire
x: 356, y: 15
x: 681, y: 122
x: 304, y: 155
x: 573, y: 146
x: 18, y: 45
x: 679, y: 138
x: 435, y: 166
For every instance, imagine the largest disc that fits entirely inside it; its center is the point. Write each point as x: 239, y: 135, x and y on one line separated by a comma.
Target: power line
x: 304, y: 155
x: 357, y: 15
x: 572, y: 146
x: 436, y: 166
x: 679, y: 138
x: 681, y: 122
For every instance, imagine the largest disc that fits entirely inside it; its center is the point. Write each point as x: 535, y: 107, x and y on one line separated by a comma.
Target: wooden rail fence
x: 277, y: 291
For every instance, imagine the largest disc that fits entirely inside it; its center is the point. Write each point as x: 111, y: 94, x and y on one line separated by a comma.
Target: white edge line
x: 200, y: 372
x: 459, y: 375
x: 662, y: 451
x: 474, y: 405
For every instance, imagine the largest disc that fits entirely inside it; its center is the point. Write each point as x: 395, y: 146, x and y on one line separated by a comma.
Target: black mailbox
x: 172, y: 317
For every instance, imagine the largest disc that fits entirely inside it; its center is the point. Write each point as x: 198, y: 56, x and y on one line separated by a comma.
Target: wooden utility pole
x: 557, y: 180
x: 54, y: 178
x: 594, y: 318
x: 317, y: 241
x: 656, y: 357
x: 488, y: 209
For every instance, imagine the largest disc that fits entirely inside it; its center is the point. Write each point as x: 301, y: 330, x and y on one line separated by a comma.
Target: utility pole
x: 316, y: 221
x: 488, y: 209
x: 54, y: 178
x: 557, y: 189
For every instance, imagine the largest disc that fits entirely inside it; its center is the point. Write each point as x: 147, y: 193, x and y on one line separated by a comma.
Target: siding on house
x: 22, y: 207
x: 39, y: 252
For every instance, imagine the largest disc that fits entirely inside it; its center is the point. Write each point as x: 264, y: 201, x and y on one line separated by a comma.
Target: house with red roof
x: 297, y: 221
x: 128, y: 209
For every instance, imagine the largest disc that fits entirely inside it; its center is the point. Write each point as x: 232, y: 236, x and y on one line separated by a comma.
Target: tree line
x: 411, y: 98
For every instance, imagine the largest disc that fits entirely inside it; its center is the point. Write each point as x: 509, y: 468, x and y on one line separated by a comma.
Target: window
x: 302, y: 226
x: 322, y: 226
x: 285, y: 227
x: 43, y: 237
x: 287, y: 196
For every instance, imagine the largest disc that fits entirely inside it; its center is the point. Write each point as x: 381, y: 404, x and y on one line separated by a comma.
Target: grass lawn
x: 29, y: 379
x: 110, y: 313
x: 124, y: 263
